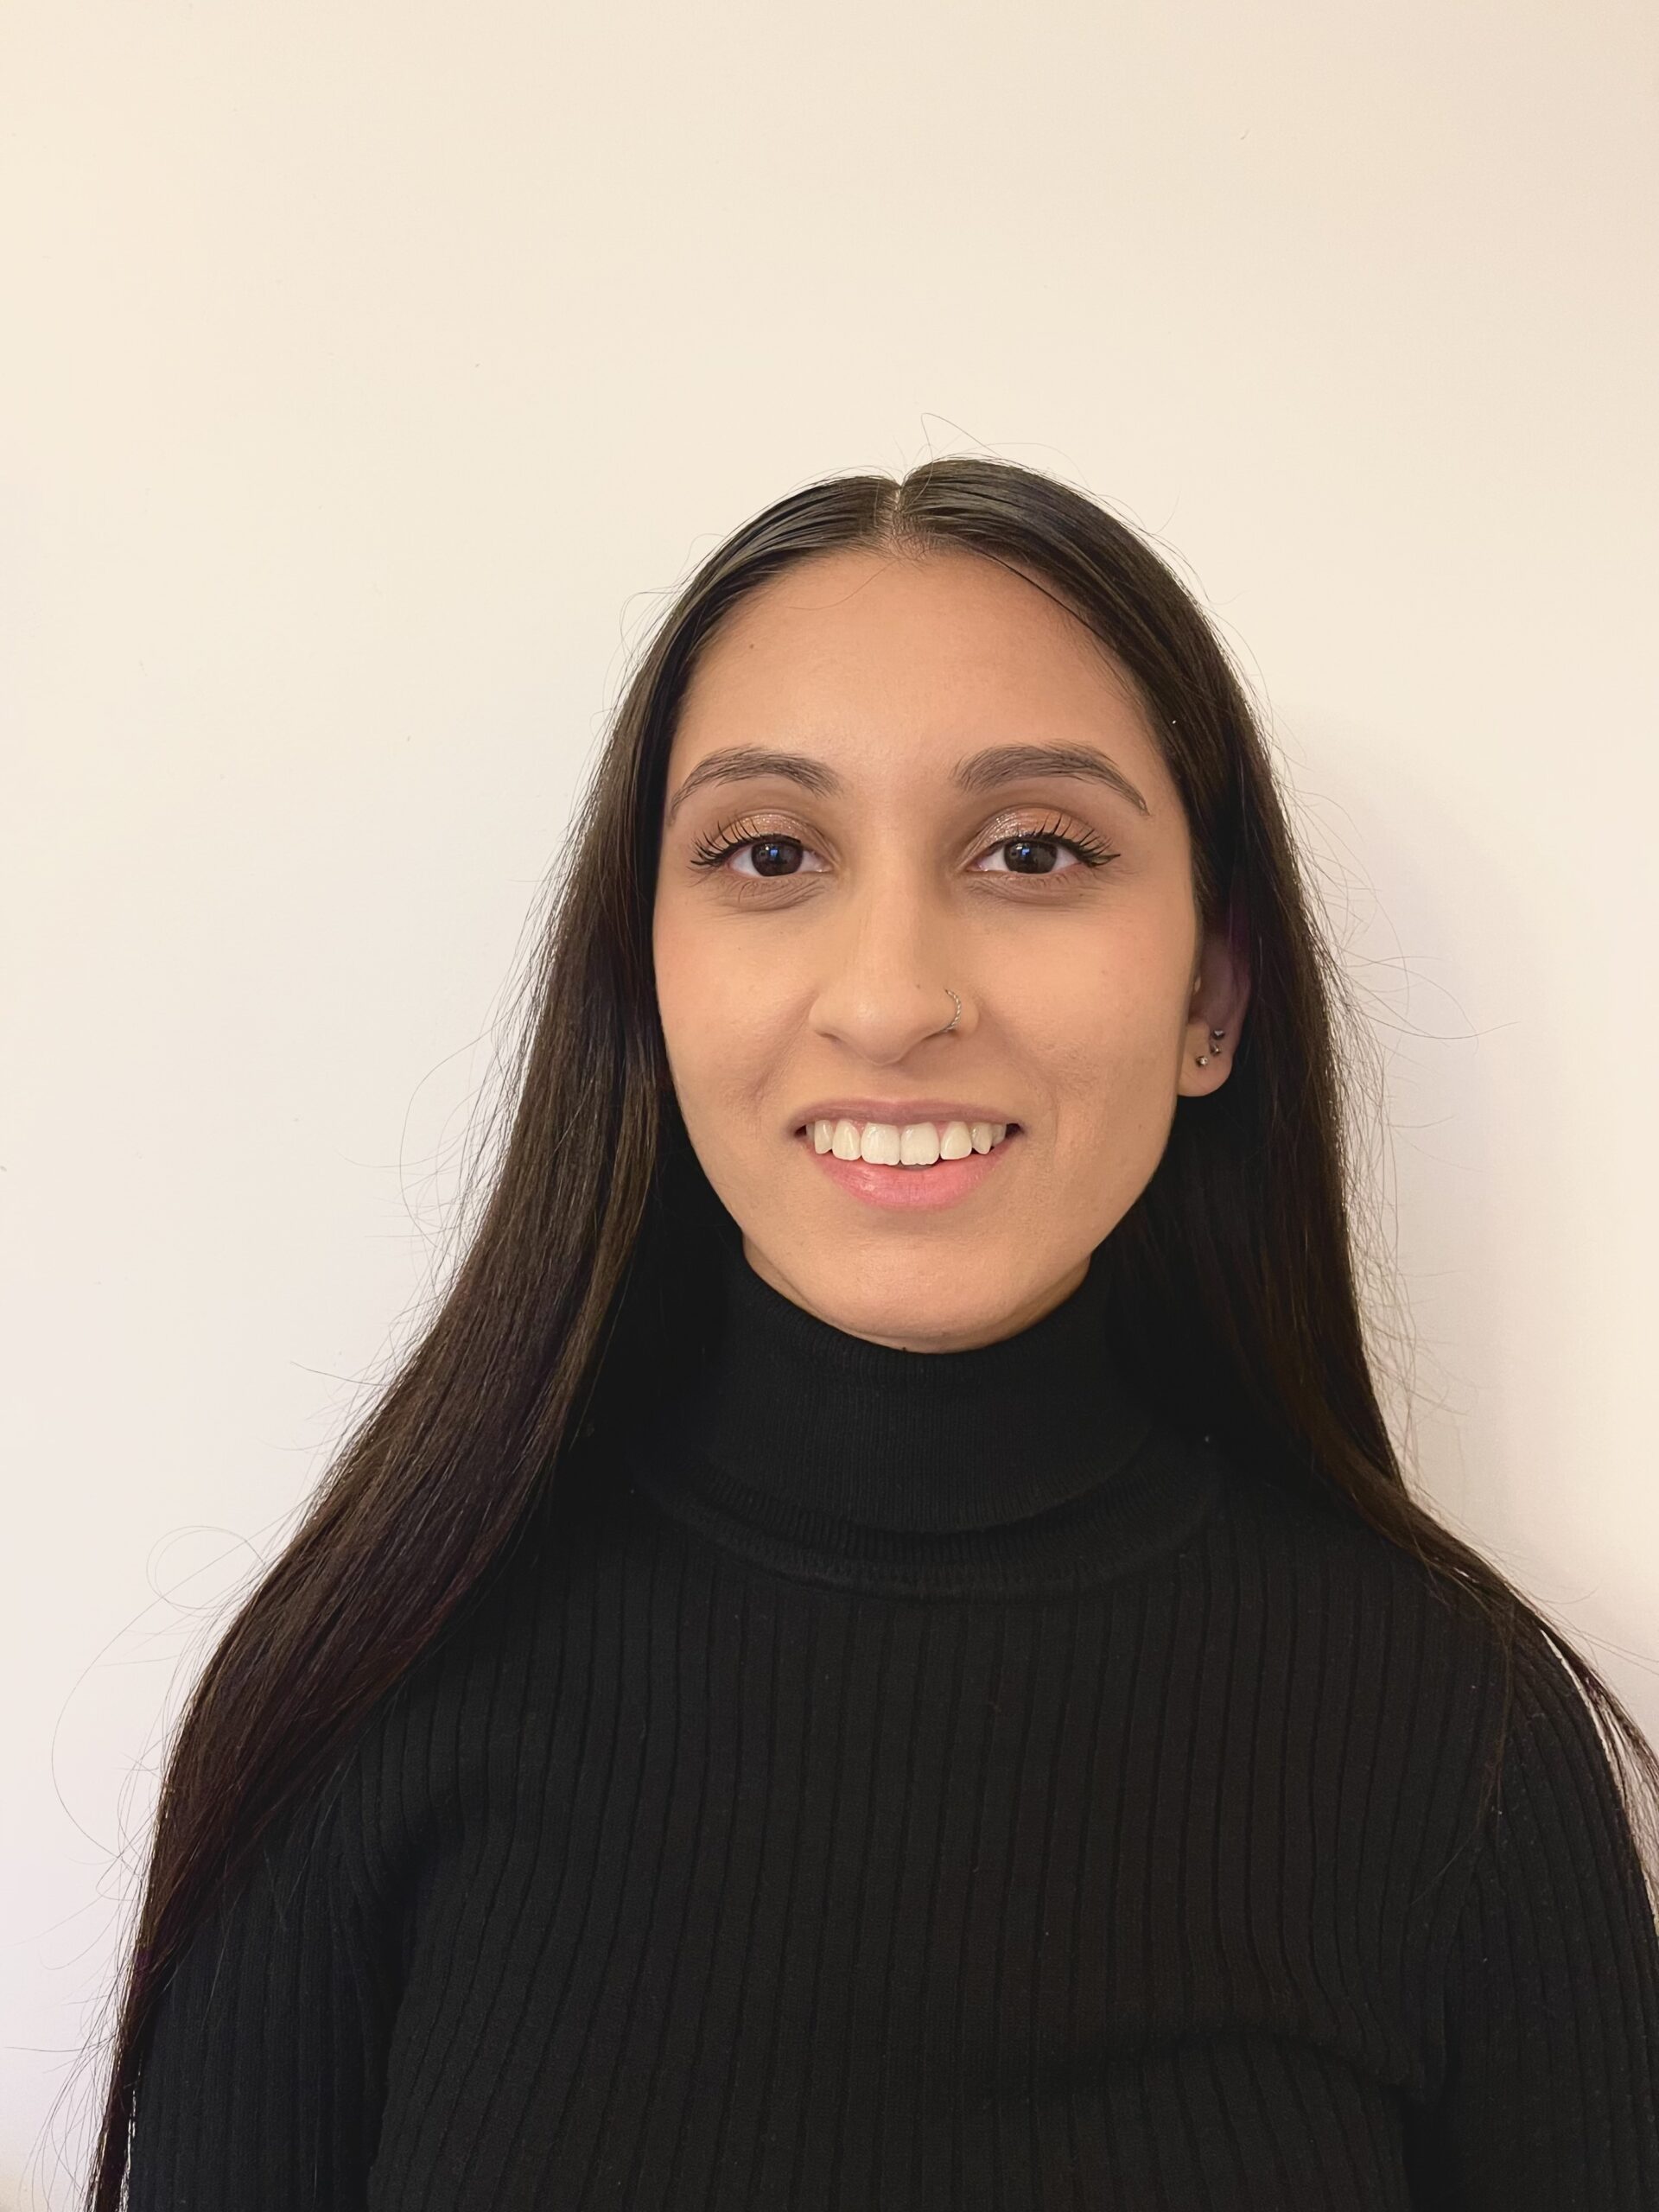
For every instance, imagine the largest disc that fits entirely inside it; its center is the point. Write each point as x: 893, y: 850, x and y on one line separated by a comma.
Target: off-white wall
x: 370, y: 372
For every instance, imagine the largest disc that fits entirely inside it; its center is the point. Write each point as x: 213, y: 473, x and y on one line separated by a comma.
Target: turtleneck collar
x: 800, y: 1410
x: 861, y: 1464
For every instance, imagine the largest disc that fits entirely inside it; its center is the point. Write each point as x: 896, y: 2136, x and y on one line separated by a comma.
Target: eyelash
x: 711, y: 854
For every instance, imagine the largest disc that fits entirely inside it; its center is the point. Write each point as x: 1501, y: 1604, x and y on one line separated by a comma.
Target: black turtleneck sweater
x: 887, y: 1779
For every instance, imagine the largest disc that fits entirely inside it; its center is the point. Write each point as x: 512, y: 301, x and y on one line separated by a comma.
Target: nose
x: 887, y: 987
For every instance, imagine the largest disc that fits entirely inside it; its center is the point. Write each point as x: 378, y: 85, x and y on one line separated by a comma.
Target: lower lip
x: 905, y: 1188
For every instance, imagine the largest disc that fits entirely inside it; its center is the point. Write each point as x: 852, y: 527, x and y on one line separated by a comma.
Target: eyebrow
x: 980, y: 772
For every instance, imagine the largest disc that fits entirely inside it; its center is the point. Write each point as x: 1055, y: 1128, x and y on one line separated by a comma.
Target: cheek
x: 1107, y: 1016
x: 714, y: 1010
x: 1111, y: 1074
x: 1112, y: 1000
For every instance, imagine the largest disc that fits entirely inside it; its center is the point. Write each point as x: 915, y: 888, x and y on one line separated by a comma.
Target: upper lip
x: 898, y: 1110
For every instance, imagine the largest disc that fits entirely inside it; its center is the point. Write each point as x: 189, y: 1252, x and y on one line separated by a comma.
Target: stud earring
x: 1203, y: 1057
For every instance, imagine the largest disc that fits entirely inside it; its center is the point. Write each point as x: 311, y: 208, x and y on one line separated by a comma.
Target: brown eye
x: 771, y: 856
x: 773, y: 850
x: 775, y: 856
x: 1028, y: 845
x: 1087, y: 851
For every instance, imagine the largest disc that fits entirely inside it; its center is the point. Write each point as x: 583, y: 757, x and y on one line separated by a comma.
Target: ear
x: 1221, y: 991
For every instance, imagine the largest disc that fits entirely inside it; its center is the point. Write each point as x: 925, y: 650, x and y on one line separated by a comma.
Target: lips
x: 917, y: 1189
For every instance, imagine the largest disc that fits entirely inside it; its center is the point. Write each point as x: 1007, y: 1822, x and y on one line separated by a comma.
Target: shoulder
x: 1314, y: 1552
x: 1394, y: 1674
x: 1477, y: 1713
x: 1557, y: 1791
x: 435, y: 1743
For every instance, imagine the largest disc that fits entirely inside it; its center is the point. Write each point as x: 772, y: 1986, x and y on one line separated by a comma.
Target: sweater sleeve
x: 1551, y: 2098
x: 261, y: 2082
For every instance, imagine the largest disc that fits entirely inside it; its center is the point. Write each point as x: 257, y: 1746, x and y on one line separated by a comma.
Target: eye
x: 776, y: 845
x: 1089, y: 851
x: 773, y: 851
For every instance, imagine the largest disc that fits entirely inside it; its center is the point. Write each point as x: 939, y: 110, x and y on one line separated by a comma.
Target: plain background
x: 372, y: 375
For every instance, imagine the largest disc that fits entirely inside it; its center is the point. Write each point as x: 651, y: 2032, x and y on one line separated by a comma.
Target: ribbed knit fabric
x: 902, y: 1780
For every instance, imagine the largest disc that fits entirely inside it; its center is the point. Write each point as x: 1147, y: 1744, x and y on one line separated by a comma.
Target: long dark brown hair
x: 1238, y: 1263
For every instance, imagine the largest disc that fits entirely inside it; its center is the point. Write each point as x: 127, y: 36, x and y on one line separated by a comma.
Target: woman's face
x: 803, y: 977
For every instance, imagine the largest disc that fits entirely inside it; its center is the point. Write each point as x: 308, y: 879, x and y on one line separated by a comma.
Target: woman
x: 877, y: 1652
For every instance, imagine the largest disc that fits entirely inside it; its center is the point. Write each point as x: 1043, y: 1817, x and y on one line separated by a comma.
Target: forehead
x: 877, y: 655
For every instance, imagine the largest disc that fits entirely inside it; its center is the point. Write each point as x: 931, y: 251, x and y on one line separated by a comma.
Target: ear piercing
x: 1215, y: 1036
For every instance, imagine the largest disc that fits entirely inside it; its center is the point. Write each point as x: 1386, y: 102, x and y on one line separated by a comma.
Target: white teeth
x: 914, y: 1144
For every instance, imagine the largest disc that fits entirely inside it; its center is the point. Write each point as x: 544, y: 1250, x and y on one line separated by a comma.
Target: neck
x: 796, y: 1407
x: 824, y: 1451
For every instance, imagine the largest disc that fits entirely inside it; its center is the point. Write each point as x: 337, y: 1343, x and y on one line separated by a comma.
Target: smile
x: 865, y: 1160
x: 911, y: 1144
